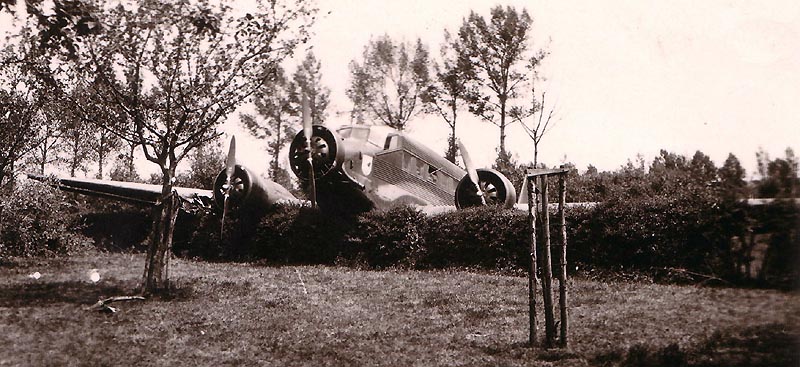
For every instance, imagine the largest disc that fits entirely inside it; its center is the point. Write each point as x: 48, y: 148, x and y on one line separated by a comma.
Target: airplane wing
x: 125, y: 191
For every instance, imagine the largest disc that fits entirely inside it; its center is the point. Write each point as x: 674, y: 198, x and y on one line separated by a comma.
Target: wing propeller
x: 308, y: 131
x: 472, y: 172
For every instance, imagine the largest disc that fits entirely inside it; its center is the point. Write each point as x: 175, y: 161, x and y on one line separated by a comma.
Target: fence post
x: 532, y: 271
x: 562, y: 283
x: 547, y: 270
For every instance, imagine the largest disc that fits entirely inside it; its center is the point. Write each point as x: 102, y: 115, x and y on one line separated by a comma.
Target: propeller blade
x: 471, y: 170
x: 230, y: 169
x: 222, y: 222
x: 230, y: 161
x: 307, y: 128
x: 307, y: 131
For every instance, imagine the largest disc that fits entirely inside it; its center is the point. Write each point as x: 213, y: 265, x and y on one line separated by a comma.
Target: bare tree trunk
x: 101, y: 157
x: 156, y: 270
x: 503, y: 127
x: 451, y: 143
x: 131, y: 168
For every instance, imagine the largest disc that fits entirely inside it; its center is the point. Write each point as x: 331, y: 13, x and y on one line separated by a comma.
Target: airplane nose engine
x: 496, y: 188
x: 327, y: 153
x: 247, y: 188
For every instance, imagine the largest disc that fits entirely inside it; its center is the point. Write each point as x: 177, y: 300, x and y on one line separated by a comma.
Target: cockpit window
x: 374, y: 135
x: 392, y: 142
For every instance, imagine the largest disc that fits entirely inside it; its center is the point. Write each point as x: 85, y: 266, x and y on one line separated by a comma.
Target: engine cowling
x: 496, y: 188
x: 249, y: 190
x: 327, y: 153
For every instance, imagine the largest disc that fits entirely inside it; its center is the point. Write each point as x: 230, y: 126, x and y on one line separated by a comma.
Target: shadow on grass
x: 39, y: 294
x: 29, y: 294
x: 766, y: 345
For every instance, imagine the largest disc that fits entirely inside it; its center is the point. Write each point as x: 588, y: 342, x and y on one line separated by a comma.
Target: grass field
x: 247, y: 314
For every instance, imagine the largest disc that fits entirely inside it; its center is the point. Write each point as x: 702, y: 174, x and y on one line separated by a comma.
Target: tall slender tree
x: 308, y: 79
x: 388, y: 84
x: 276, y: 106
x: 496, y: 49
x: 449, y: 90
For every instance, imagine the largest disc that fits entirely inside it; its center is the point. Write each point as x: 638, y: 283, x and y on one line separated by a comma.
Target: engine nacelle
x: 497, y: 190
x: 249, y: 190
x: 326, y: 150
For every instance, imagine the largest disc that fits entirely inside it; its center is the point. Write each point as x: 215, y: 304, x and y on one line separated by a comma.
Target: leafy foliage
x: 205, y: 164
x: 390, y: 82
x: 493, y: 49
x: 36, y: 220
x: 779, y: 176
x: 449, y: 89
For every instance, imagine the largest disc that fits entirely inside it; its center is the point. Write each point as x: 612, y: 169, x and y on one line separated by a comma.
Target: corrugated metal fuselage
x: 388, y: 173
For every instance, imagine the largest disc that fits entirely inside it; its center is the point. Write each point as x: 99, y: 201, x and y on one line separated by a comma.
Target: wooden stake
x: 562, y: 284
x: 547, y: 271
x: 532, y: 271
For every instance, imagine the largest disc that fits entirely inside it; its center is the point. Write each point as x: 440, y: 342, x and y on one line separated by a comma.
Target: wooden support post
x: 532, y: 270
x: 547, y: 270
x: 562, y: 283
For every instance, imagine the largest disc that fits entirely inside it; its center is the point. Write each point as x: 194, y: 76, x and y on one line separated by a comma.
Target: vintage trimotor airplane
x: 353, y: 169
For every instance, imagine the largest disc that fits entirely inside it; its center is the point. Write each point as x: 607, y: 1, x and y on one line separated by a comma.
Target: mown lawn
x: 246, y: 314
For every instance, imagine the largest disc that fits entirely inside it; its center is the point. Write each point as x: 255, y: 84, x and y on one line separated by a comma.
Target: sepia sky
x: 627, y: 77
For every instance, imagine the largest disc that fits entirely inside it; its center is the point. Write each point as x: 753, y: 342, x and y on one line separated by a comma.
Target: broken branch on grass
x: 103, y: 304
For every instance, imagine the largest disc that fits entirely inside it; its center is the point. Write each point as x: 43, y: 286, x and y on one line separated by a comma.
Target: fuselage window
x: 410, y: 164
x: 432, y: 173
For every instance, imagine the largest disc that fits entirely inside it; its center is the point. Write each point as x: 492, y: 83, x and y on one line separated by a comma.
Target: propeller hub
x: 235, y: 188
x: 322, y: 152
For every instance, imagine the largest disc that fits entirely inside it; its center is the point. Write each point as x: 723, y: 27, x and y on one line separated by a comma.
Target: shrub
x: 782, y: 220
x: 37, y: 220
x: 485, y: 238
x: 685, y: 230
x: 299, y: 234
x: 388, y: 238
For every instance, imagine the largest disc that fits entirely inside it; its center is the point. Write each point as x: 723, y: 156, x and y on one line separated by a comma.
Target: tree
x: 176, y: 71
x: 495, y: 49
x: 731, y: 176
x: 22, y: 98
x: 308, y: 79
x: 49, y: 139
x: 539, y: 125
x: 779, y: 176
x: 275, y: 107
x: 703, y: 169
x: 104, y: 143
x: 18, y: 123
x: 449, y: 90
x: 204, y: 166
x: 76, y: 147
x: 388, y: 84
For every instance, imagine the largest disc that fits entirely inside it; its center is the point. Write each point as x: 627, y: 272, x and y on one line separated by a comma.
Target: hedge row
x: 649, y: 234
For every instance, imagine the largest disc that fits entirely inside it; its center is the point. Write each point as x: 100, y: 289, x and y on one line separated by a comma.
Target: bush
x: 37, y: 220
x: 686, y: 230
x: 394, y: 237
x: 484, y: 238
x: 782, y: 220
